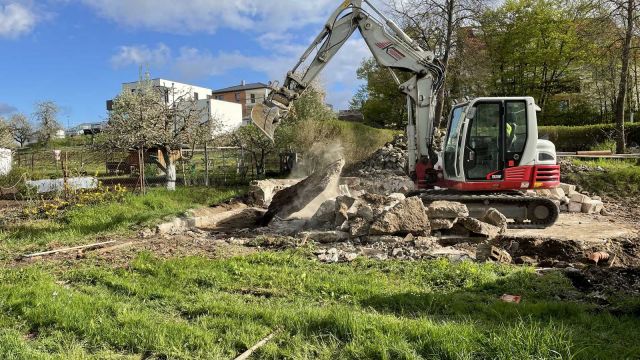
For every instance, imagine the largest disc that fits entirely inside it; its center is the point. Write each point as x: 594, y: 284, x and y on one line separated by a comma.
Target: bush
x: 582, y: 138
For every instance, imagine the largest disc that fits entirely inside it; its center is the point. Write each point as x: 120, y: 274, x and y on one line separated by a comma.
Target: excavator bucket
x: 266, y: 118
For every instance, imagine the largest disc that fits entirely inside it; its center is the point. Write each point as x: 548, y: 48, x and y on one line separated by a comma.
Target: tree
x: 536, y: 47
x: 625, y: 14
x: 434, y: 23
x: 21, y: 129
x: 379, y: 100
x: 251, y: 139
x: 144, y: 120
x: 5, y: 134
x: 46, y: 116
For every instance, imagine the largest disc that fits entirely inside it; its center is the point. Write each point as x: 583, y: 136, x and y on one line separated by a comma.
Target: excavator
x: 491, y: 154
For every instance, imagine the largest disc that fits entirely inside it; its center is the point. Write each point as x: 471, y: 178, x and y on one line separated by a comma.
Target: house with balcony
x: 247, y: 95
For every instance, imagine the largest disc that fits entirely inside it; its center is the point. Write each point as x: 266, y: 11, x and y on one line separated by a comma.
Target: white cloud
x: 16, y: 20
x: 141, y: 55
x: 189, y: 16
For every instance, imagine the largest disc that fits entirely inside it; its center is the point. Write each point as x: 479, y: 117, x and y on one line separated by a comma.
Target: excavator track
x: 523, y: 211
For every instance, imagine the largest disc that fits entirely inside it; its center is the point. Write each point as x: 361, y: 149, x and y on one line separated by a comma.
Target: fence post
x: 206, y: 164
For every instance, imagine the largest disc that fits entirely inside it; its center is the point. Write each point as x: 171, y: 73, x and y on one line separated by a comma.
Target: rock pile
x: 374, y: 218
x: 389, y: 160
x: 570, y: 200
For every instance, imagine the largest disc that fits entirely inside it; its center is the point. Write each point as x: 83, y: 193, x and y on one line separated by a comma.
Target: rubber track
x: 515, y: 198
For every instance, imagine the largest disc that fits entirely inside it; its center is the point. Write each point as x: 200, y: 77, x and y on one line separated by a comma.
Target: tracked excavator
x: 491, y: 153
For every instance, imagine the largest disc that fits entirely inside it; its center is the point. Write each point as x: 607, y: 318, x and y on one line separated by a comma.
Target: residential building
x: 229, y: 115
x: 247, y: 95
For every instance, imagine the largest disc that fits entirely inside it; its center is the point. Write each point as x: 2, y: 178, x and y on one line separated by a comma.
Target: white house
x: 228, y: 114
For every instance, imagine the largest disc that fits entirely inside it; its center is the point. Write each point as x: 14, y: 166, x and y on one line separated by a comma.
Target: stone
x: 331, y: 256
x: 495, y: 218
x: 396, y: 252
x: 389, y: 239
x: 478, y: 227
x: 486, y: 252
x: 442, y: 224
x: 450, y: 253
x: 568, y: 188
x: 557, y: 194
x: 325, y: 216
x: 174, y: 226
x: 580, y: 198
x: 295, y: 198
x: 349, y: 257
x: 381, y: 257
x: 447, y: 210
x: 324, y: 237
x: 261, y: 191
x: 575, y: 207
x: 592, y: 207
x: 423, y: 242
x: 359, y: 227
x: 397, y: 196
x: 343, y: 204
x: 564, y: 208
x: 526, y: 260
x: 406, y: 217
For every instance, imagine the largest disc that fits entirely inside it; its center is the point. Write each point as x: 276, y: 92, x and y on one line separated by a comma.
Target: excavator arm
x: 391, y: 47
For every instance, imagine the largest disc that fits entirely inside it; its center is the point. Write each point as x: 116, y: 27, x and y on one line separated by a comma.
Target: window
x: 253, y: 98
x: 238, y: 97
x: 453, y: 141
x: 483, y: 148
x: 195, y: 96
x: 516, y: 126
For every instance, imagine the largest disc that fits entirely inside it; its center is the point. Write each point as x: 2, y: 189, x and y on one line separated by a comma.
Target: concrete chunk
x: 580, y: 198
x: 447, y: 210
x: 480, y: 228
x: 592, y: 207
x: 442, y: 224
x: 568, y: 188
x: 325, y: 237
x: 408, y: 217
x: 495, y: 218
x: 575, y: 207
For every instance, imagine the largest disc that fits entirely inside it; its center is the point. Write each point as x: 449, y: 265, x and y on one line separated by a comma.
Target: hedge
x: 581, y: 138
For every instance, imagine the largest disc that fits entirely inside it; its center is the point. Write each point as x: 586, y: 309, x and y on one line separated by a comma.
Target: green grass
x: 195, y: 308
x: 620, y: 178
x: 109, y: 218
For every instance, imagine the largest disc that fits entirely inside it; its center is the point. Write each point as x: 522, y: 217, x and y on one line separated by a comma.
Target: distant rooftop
x: 242, y: 87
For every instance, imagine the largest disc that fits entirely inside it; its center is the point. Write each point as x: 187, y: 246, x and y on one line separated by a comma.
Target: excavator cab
x: 492, y: 144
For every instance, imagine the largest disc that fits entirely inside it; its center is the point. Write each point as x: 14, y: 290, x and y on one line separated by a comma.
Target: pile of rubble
x: 389, y: 160
x: 398, y: 226
x: 570, y: 200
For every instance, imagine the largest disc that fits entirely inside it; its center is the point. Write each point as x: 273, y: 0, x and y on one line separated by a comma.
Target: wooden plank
x: 245, y: 355
x: 82, y: 247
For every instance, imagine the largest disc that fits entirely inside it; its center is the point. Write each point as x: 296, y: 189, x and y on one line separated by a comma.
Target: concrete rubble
x: 391, y: 159
x: 570, y: 200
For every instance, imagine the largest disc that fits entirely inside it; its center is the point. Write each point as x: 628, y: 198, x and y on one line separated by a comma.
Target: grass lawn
x: 195, y: 308
x: 620, y: 177
x: 110, y: 218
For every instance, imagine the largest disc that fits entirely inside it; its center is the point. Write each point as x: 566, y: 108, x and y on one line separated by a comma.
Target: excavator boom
x: 391, y: 47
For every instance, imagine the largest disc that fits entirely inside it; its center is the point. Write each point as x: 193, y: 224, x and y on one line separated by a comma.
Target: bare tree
x: 20, y: 128
x: 625, y: 14
x: 435, y: 23
x: 145, y: 120
x: 46, y: 115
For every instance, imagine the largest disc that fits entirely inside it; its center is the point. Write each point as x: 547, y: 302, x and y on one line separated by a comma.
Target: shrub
x: 582, y: 138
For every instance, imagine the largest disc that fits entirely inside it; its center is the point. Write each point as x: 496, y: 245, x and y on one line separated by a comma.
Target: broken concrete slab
x: 592, y: 207
x: 295, y: 198
x: 261, y: 191
x: 324, y: 237
x: 325, y: 216
x: 480, y: 228
x: 409, y: 216
x: 486, y: 252
x: 495, y: 218
x: 442, y: 224
x: 447, y: 210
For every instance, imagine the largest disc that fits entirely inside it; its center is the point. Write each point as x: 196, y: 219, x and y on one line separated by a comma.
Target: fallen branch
x: 245, y: 355
x: 118, y: 247
x: 83, y: 247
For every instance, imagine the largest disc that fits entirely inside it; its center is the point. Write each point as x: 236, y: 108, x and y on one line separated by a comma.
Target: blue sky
x: 78, y: 52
